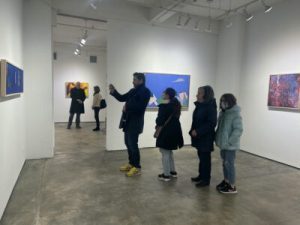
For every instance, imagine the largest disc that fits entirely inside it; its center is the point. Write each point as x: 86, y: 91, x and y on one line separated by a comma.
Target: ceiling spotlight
x: 248, y: 15
x: 268, y: 8
x: 187, y: 21
x: 77, y: 51
x: 93, y: 4
x: 228, y: 22
x: 196, y: 27
x: 179, y: 25
x: 83, y: 39
x: 208, y: 29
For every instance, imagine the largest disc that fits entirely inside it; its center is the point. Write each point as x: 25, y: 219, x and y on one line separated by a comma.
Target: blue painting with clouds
x: 158, y: 82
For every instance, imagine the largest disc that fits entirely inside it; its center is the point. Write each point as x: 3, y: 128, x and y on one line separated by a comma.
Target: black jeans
x: 131, y: 142
x: 96, y: 112
x: 204, y: 165
x: 71, y: 119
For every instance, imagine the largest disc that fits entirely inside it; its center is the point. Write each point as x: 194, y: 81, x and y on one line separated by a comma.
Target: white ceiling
x: 201, y: 7
x: 70, y: 30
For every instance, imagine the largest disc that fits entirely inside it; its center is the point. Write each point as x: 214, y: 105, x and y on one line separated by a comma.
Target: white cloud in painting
x: 153, y: 101
x: 179, y: 80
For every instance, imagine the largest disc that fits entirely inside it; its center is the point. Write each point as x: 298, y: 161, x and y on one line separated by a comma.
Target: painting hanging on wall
x: 158, y: 82
x: 284, y: 91
x: 11, y: 79
x: 71, y: 85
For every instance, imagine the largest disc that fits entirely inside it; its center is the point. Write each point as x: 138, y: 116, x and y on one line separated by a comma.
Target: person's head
x: 77, y: 85
x: 96, y: 89
x: 169, y: 94
x: 205, y: 94
x: 138, y: 79
x: 227, y: 101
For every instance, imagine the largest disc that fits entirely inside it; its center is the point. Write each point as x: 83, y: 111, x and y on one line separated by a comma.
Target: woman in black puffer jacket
x: 170, y: 137
x: 203, y: 133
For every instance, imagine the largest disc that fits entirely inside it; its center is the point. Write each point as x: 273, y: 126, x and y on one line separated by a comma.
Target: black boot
x: 96, y: 129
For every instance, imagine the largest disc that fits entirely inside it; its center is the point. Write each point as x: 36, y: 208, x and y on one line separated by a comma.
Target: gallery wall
x: 38, y: 79
x: 272, y: 47
x: 230, y: 50
x: 68, y: 68
x: 12, y: 110
x: 143, y: 48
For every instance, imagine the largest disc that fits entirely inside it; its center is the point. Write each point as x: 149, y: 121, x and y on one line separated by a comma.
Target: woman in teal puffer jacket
x: 229, y: 131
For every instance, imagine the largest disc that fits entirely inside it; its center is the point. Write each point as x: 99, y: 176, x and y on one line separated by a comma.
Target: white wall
x: 230, y: 55
x: 271, y: 47
x: 69, y: 67
x: 141, y: 48
x: 12, y: 119
x: 38, y: 79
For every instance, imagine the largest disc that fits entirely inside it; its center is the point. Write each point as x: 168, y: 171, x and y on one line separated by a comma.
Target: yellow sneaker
x: 126, y: 168
x: 133, y: 172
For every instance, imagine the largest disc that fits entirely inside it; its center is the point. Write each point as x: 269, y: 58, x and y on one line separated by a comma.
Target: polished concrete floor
x: 81, y: 185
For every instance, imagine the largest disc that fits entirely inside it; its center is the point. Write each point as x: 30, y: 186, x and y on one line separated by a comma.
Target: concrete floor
x: 81, y: 185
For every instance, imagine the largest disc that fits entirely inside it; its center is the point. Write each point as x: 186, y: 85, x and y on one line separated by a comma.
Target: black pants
x: 131, y: 142
x: 204, y: 165
x: 71, y: 119
x: 96, y: 112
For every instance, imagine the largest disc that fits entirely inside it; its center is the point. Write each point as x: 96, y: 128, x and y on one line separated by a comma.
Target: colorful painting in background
x: 71, y: 85
x: 284, y: 91
x: 157, y: 83
x: 12, y: 79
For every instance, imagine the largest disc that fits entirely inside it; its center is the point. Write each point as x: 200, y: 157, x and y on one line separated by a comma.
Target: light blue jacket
x: 230, y: 129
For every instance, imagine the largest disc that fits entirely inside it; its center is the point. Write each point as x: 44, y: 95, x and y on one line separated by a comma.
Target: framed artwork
x: 158, y: 82
x: 11, y: 79
x: 284, y: 91
x: 71, y: 85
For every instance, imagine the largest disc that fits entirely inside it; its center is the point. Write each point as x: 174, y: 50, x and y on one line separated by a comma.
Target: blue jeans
x: 228, y: 157
x: 167, y: 161
x: 131, y: 142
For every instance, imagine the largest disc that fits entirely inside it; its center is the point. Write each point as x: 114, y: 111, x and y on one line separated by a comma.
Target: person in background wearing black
x: 96, y: 106
x: 203, y: 133
x: 77, y: 106
x: 132, y: 121
x: 170, y: 136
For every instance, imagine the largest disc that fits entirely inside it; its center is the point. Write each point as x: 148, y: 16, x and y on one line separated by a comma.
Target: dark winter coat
x: 136, y: 103
x: 204, y: 122
x: 170, y: 137
x: 77, y: 107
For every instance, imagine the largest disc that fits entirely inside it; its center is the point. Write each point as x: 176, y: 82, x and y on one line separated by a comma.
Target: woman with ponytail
x: 170, y: 136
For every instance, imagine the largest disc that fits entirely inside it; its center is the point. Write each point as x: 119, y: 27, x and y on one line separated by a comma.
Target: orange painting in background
x: 71, y: 85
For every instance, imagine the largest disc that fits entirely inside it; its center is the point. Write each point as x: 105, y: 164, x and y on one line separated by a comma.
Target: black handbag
x: 103, y: 104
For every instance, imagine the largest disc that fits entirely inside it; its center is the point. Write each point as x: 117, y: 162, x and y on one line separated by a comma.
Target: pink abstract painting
x: 284, y: 91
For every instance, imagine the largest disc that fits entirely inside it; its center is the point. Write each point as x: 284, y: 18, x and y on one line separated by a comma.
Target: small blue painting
x: 158, y: 82
x: 12, y: 79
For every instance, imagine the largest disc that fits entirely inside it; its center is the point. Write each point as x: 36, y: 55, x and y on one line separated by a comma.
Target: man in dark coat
x: 132, y: 121
x: 77, y: 106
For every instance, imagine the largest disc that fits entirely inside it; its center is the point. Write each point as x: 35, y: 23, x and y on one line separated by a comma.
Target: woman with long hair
x: 170, y: 136
x: 96, y: 106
